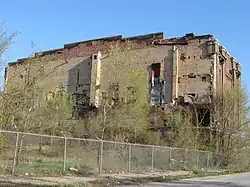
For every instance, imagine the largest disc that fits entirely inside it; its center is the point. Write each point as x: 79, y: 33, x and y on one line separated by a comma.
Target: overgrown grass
x: 40, y: 168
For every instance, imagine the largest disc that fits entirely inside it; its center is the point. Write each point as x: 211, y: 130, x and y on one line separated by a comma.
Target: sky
x: 52, y: 23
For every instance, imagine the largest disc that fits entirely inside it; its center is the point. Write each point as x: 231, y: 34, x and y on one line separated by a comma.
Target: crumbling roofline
x: 108, y: 39
x: 149, y: 39
x: 224, y: 53
x: 158, y: 35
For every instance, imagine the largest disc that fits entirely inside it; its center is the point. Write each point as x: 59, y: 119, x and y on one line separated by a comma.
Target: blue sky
x: 52, y: 23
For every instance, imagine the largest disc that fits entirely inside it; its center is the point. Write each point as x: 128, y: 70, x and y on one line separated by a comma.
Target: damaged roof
x: 151, y: 39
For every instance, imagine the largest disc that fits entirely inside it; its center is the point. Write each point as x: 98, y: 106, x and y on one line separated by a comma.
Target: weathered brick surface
x: 194, y: 70
x: 137, y: 59
x: 71, y: 65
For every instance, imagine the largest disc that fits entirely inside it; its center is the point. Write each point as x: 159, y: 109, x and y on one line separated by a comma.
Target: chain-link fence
x: 36, y: 154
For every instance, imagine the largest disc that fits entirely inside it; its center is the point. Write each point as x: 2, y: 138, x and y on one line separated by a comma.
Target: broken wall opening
x: 204, y: 117
x: 156, y: 85
x: 156, y: 67
x: 201, y: 123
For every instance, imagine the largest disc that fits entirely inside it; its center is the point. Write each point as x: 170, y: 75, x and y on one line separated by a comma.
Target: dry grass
x: 83, y: 156
x: 44, y: 157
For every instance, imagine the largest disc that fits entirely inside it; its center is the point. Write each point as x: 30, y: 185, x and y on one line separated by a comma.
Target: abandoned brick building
x: 185, y: 67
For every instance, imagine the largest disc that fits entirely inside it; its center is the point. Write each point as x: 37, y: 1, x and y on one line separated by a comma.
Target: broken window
x: 155, y: 68
x: 78, y: 77
x: 238, y: 74
x: 192, y: 94
x: 203, y: 78
x: 5, y: 73
x: 191, y: 75
x: 81, y: 99
x: 183, y: 56
x: 156, y: 85
x: 231, y: 72
x: 204, y: 116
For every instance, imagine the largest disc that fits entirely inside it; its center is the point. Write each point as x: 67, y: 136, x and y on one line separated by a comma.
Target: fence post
x: 197, y: 158
x: 153, y: 155
x: 185, y: 158
x: 15, y: 155
x: 208, y: 159
x: 129, y: 158
x: 170, y: 158
x: 65, y: 154
x: 100, y: 157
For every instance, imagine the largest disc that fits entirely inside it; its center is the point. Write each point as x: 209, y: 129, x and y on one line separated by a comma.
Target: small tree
x: 54, y: 111
x: 232, y: 120
x: 124, y: 109
x: 27, y: 106
x: 130, y: 117
x: 177, y: 128
x: 6, y: 40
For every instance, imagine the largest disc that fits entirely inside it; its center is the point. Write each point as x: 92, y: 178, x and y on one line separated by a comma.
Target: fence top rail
x: 96, y: 140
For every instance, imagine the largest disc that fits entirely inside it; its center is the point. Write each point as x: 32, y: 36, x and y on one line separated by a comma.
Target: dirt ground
x: 70, y: 180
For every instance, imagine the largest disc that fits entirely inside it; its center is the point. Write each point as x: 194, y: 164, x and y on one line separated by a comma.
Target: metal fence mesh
x: 191, y: 159
x: 39, y: 155
x: 82, y: 156
x: 141, y: 158
x: 161, y: 159
x: 202, y: 160
x: 177, y: 159
x: 115, y: 158
x: 35, y: 154
x: 7, y: 151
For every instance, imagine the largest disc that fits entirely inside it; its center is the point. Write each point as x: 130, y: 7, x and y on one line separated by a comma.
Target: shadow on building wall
x: 79, y: 81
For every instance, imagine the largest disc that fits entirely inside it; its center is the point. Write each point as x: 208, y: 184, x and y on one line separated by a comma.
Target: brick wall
x: 71, y: 66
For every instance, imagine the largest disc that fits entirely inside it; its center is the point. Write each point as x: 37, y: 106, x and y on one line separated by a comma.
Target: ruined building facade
x: 186, y: 67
